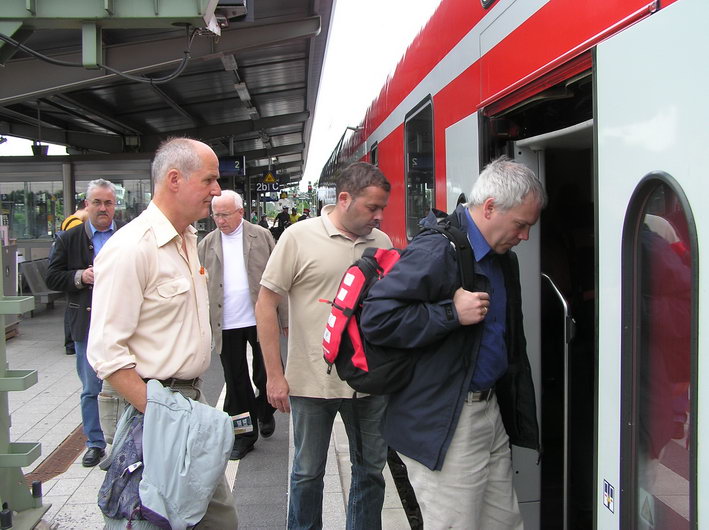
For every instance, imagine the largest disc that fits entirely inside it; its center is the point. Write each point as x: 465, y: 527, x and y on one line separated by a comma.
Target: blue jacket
x: 412, y: 307
x: 186, y: 447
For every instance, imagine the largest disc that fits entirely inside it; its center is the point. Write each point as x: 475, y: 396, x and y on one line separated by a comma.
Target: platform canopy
x: 246, y: 75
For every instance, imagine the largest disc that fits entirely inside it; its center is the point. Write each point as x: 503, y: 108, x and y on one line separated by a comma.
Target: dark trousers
x: 68, y: 341
x: 240, y: 396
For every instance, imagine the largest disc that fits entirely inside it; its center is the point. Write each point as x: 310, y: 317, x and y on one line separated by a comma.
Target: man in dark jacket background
x: 471, y: 393
x: 71, y: 270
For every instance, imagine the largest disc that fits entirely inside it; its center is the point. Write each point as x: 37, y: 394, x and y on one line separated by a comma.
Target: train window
x: 420, y: 184
x: 660, y: 434
x: 373, y: 152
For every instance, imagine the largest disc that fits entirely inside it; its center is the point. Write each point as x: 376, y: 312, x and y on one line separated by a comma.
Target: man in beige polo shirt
x: 150, y: 317
x: 306, y: 266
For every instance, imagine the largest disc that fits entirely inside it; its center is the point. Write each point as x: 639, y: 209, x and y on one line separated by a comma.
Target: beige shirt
x: 307, y: 265
x: 150, y: 304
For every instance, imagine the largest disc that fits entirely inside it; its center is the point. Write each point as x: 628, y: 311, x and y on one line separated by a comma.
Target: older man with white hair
x: 235, y: 255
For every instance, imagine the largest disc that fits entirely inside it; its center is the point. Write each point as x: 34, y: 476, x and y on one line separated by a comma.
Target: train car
x: 605, y: 100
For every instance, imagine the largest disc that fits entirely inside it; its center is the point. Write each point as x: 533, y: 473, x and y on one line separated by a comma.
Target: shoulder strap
x: 464, y: 250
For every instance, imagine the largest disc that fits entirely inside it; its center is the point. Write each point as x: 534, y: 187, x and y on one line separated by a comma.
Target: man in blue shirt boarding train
x: 471, y: 393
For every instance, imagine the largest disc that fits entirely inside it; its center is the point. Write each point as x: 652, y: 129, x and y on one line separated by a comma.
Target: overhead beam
x: 274, y: 151
x: 103, y: 143
x: 85, y: 116
x: 173, y: 104
x: 114, y: 14
x: 151, y: 141
x: 19, y: 79
x: 98, y: 112
x: 8, y: 28
x: 258, y: 170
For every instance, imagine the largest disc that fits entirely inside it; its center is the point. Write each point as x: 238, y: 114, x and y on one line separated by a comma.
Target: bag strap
x: 451, y: 229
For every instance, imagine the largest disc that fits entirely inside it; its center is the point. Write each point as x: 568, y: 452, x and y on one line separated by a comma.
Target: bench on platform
x: 33, y: 274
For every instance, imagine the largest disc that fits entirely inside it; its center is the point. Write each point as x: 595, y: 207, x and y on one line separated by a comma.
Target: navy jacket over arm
x: 412, y: 307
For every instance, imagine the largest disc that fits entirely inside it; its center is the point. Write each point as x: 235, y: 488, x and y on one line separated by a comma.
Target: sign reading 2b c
x: 268, y: 184
x: 267, y: 187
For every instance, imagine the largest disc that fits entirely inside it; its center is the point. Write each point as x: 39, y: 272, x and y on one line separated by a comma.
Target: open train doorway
x: 548, y: 126
x: 565, y: 357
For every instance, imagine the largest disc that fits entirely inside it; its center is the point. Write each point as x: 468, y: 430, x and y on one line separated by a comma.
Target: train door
x: 559, y: 298
x: 651, y: 115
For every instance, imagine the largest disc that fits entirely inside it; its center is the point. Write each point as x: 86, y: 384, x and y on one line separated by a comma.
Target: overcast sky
x: 367, y: 39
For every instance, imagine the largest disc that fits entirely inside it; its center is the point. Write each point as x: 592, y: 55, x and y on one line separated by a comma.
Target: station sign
x: 268, y: 184
x: 232, y: 166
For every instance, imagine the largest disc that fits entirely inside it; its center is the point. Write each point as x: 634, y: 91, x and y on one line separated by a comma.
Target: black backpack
x: 366, y: 367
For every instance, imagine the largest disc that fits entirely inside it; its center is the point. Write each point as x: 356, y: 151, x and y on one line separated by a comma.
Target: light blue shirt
x: 99, y: 238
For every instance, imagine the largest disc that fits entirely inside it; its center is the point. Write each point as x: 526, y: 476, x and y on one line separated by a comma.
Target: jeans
x: 91, y: 386
x: 312, y: 428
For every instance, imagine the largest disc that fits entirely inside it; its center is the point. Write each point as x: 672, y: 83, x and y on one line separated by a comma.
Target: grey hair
x: 177, y: 153
x: 100, y: 183
x: 508, y: 183
x: 238, y: 201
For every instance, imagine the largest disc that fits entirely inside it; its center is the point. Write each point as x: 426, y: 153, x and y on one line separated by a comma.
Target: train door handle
x: 569, y: 332
x: 569, y: 322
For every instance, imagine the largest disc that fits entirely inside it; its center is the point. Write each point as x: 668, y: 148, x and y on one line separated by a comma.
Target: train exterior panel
x: 605, y: 101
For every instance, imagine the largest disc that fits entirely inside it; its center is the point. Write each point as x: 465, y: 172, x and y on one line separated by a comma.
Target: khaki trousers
x: 473, y: 490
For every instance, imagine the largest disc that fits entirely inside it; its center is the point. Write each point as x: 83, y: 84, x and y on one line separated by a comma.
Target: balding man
x: 235, y: 255
x: 151, y: 314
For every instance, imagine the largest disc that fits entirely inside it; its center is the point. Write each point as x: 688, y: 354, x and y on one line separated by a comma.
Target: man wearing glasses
x: 234, y: 256
x: 71, y: 270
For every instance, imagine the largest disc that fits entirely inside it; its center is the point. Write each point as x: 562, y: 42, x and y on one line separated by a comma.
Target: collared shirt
x: 99, y: 237
x: 492, y: 356
x: 150, y: 303
x: 307, y: 265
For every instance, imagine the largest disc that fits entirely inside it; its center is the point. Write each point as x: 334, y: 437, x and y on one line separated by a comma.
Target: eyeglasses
x: 217, y: 216
x: 108, y: 204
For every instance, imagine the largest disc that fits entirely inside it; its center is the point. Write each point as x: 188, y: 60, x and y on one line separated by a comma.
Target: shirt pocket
x: 173, y: 287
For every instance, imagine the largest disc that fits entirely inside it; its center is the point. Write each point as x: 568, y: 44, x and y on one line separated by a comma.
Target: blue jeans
x: 312, y: 429
x: 91, y: 386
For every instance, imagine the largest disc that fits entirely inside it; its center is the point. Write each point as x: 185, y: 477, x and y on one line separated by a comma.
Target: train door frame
x: 533, y: 153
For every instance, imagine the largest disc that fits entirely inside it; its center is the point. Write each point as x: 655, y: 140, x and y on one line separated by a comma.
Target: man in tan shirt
x: 150, y: 317
x: 305, y: 266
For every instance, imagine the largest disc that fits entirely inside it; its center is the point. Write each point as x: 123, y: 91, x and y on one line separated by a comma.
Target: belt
x: 172, y: 381
x: 482, y: 395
